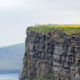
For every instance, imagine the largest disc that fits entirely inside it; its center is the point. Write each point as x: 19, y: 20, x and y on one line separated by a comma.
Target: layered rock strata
x: 54, y: 54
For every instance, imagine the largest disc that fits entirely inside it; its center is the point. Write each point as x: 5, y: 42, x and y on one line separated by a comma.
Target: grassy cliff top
x: 69, y: 29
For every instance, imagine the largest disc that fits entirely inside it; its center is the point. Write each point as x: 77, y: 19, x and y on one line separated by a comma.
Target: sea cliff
x: 54, y: 55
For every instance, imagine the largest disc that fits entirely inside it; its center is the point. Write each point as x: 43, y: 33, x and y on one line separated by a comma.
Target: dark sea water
x: 9, y: 76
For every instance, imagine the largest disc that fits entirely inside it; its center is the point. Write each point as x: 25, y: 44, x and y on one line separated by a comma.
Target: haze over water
x: 9, y: 77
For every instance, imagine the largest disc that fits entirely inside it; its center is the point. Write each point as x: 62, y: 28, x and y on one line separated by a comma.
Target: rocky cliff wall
x: 54, y: 54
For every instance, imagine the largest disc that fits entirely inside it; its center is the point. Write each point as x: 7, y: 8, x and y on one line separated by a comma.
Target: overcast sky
x: 16, y: 15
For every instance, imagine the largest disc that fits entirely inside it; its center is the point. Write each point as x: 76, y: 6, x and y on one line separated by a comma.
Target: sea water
x: 9, y: 76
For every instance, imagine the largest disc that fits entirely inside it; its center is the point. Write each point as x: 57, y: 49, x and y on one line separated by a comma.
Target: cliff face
x: 55, y: 54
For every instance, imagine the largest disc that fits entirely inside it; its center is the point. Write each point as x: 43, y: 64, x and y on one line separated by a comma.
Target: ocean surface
x: 9, y: 76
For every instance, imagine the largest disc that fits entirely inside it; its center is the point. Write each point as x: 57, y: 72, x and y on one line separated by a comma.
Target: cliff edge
x: 51, y: 55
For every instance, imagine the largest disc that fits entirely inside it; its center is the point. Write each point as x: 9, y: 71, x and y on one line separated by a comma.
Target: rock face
x: 55, y: 54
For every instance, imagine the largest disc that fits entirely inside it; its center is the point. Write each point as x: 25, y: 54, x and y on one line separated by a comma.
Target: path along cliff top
x: 69, y: 29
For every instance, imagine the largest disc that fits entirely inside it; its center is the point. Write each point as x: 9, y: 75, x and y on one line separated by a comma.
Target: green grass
x: 42, y: 78
x: 49, y: 28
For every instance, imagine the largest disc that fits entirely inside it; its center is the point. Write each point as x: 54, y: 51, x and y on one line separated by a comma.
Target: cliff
x: 54, y: 55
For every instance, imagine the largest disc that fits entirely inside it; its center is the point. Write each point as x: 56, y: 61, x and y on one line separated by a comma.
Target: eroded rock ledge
x: 54, y: 54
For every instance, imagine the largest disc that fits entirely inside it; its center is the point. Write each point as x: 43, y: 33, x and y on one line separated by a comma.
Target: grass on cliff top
x: 69, y: 29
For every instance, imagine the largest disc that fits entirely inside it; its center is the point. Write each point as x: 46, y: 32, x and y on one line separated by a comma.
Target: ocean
x: 9, y: 76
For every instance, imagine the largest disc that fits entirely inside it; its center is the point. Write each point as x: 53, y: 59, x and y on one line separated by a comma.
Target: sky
x: 17, y: 15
